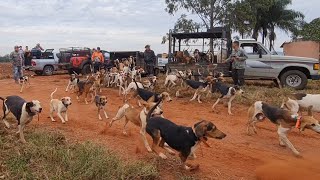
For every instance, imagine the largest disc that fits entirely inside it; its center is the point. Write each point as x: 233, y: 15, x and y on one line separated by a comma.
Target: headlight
x: 316, y: 66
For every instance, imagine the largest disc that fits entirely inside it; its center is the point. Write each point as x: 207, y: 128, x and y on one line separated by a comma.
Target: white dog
x: 72, y: 82
x: 60, y: 106
x: 173, y: 78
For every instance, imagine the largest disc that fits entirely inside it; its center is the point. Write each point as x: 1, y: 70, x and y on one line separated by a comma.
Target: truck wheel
x: 39, y: 73
x: 294, y: 79
x: 86, y: 69
x: 48, y: 70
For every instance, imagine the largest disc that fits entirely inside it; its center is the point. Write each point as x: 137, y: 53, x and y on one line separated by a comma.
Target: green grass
x: 254, y: 91
x: 48, y: 155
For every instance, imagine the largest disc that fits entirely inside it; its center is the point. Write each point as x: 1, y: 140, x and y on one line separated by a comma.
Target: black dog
x: 226, y: 92
x: 146, y: 95
x: 183, y: 139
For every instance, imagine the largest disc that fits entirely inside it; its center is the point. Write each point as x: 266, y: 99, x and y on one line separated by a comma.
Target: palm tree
x: 276, y: 16
x: 282, y: 18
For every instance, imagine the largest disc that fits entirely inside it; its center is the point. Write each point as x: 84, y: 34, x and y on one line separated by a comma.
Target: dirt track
x: 235, y: 157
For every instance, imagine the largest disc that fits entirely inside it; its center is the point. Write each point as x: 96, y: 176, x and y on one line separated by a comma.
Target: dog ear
x: 29, y: 105
x: 63, y: 99
x: 200, y: 129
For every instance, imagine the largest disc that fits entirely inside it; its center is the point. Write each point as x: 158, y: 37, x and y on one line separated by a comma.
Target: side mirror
x: 260, y: 53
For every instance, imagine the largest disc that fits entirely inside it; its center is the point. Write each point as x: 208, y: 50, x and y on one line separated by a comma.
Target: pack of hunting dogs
x: 296, y: 110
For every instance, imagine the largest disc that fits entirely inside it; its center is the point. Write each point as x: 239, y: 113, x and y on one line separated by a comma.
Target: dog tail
x: 153, y: 108
x: 51, y: 96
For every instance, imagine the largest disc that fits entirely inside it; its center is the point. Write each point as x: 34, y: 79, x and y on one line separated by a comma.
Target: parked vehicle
x: 73, y: 59
x: 290, y: 70
x: 44, y: 63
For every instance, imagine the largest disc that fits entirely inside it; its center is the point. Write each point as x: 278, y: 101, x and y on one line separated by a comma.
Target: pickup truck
x: 292, y: 71
x: 73, y: 59
x: 45, y: 63
x: 261, y: 64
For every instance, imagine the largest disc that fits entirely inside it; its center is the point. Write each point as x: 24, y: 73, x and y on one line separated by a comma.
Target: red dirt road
x: 235, y: 157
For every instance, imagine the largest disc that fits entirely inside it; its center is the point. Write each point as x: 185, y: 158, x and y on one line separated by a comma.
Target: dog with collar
x: 22, y: 110
x: 137, y: 117
x: 298, y: 101
x: 284, y: 119
x: 183, y: 139
x: 101, y: 102
x: 73, y: 81
x: 226, y: 92
x: 59, y: 106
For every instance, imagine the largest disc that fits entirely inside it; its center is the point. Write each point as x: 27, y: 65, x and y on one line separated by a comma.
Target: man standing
x: 238, y: 59
x: 97, y: 59
x: 21, y: 52
x: 27, y: 57
x: 16, y: 60
x: 149, y: 59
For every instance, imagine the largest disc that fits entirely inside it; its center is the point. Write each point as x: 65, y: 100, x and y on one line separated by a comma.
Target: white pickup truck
x: 290, y: 70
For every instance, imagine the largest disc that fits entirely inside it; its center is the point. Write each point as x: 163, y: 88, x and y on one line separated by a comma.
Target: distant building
x: 302, y: 48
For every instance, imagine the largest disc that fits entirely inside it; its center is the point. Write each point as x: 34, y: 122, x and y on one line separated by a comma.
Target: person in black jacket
x: 149, y: 59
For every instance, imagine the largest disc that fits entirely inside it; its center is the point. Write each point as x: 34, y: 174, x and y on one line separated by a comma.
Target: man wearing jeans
x: 238, y: 59
x: 16, y: 60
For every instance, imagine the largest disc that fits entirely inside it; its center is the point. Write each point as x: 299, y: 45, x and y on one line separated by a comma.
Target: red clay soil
x: 238, y: 156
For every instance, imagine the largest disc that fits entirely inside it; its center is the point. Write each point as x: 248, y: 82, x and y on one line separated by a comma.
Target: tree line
x: 253, y: 18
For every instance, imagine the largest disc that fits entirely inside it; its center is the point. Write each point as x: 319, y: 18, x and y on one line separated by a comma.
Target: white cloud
x: 111, y: 24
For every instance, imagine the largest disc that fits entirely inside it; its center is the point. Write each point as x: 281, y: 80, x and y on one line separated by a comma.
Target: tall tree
x: 273, y: 14
x: 311, y: 31
x: 282, y: 18
x: 208, y: 11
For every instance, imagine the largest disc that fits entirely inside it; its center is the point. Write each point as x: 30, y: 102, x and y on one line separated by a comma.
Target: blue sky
x: 110, y: 24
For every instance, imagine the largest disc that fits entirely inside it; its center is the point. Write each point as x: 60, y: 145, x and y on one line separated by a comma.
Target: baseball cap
x: 147, y: 46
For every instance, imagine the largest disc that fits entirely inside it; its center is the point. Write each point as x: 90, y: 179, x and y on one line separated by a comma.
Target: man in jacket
x: 16, y: 59
x: 238, y: 59
x: 149, y: 59
x: 97, y: 59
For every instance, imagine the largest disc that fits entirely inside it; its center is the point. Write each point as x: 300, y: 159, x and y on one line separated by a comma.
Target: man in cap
x: 149, y: 59
x: 16, y: 60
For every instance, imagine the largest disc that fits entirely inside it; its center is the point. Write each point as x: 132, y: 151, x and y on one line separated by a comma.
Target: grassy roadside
x: 48, y: 155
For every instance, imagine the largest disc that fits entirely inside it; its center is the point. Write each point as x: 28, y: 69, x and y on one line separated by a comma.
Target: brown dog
x: 85, y: 87
x: 284, y: 119
x: 137, y: 117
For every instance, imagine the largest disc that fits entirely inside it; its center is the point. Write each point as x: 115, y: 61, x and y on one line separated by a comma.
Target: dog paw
x: 63, y: 122
x: 125, y: 133
x: 53, y: 120
x: 163, y: 156
x: 149, y: 149
x: 297, y: 154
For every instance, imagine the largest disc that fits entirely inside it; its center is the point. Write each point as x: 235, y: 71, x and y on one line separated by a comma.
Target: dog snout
x: 40, y: 109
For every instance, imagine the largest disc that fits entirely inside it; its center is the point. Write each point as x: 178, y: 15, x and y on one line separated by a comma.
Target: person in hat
x: 149, y: 59
x: 97, y: 59
x: 16, y: 59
